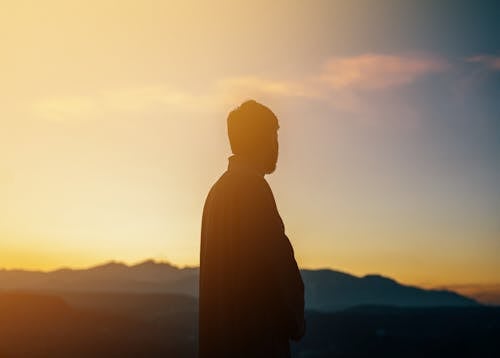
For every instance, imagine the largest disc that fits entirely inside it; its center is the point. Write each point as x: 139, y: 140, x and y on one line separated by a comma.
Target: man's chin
x: 271, y: 169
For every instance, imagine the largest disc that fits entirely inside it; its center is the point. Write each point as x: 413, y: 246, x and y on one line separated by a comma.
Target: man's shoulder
x: 236, y: 184
x: 236, y: 179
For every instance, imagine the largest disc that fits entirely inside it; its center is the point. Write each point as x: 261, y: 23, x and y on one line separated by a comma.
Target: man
x: 251, y: 292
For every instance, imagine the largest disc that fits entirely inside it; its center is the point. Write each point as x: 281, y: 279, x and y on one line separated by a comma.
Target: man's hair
x: 248, y: 124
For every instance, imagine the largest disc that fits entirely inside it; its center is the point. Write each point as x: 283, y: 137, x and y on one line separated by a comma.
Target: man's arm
x: 290, y: 285
x: 275, y: 249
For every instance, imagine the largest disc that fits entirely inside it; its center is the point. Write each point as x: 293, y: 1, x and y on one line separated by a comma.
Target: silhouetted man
x: 251, y: 292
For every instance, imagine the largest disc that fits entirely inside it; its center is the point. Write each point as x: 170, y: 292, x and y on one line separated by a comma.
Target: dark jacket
x: 251, y: 292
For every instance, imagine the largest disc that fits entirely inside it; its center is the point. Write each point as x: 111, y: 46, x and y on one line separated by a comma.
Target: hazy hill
x: 329, y: 290
x: 148, y: 276
x: 41, y: 325
x: 326, y: 290
x: 485, y: 293
x: 380, y: 331
x: 80, y: 324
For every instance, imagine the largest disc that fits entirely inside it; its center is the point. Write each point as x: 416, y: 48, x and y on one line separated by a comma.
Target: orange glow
x: 113, y: 128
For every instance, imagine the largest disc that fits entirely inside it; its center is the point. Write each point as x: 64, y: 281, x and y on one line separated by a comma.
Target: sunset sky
x: 113, y: 115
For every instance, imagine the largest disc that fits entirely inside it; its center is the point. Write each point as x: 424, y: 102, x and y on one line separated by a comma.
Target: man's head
x: 253, y: 133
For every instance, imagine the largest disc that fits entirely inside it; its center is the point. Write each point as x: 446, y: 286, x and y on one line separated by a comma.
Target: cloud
x: 261, y: 85
x: 491, y: 62
x: 342, y: 82
x: 375, y: 71
x: 134, y: 100
x: 62, y: 108
x: 364, y: 72
x: 163, y: 96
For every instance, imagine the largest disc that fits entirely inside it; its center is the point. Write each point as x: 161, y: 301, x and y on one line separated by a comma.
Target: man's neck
x: 243, y: 163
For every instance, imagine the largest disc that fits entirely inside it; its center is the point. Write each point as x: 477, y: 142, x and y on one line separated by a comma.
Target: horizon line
x: 160, y: 261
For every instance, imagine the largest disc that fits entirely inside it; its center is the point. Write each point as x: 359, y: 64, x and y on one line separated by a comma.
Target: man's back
x: 251, y: 292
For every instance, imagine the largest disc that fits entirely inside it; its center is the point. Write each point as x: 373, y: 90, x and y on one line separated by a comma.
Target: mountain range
x: 121, y: 324
x: 326, y: 290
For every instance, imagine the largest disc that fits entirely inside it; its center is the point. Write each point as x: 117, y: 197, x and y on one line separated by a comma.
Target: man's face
x: 270, y: 158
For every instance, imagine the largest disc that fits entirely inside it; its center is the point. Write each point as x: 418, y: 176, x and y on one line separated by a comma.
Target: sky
x: 113, y: 114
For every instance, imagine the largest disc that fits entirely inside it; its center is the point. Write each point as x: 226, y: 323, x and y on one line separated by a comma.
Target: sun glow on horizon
x: 113, y: 130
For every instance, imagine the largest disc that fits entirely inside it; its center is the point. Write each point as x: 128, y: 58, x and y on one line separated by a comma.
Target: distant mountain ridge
x: 326, y: 290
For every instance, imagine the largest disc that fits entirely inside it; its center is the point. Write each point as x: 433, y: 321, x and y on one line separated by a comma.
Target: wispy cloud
x: 490, y: 62
x: 364, y: 72
x: 276, y: 87
x: 340, y: 82
x: 66, y: 107
x: 135, y: 100
x: 375, y: 71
